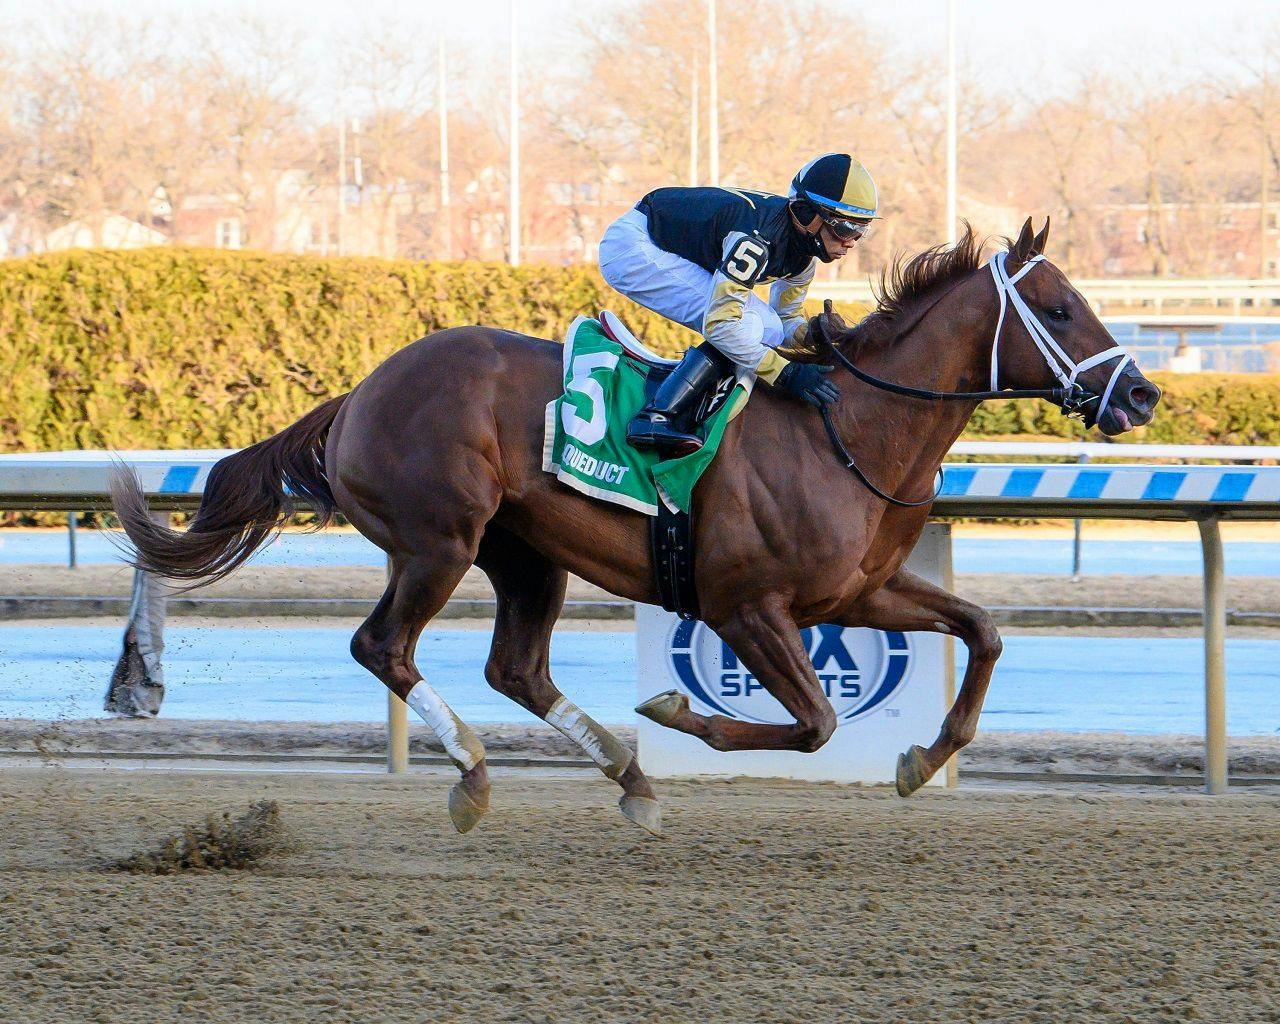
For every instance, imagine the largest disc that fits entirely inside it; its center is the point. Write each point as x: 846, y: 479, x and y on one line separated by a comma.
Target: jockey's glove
x: 808, y: 382
x: 827, y: 325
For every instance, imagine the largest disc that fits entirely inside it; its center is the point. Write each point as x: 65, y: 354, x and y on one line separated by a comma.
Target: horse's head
x: 1047, y: 335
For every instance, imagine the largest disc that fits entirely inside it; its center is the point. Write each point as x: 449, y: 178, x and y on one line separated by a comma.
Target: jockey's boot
x: 659, y: 424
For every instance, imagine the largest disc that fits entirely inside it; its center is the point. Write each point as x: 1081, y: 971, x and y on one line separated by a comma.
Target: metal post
x: 71, y: 539
x: 948, y: 646
x: 397, y: 735
x: 1215, y: 641
x: 1079, y: 543
x: 397, y: 726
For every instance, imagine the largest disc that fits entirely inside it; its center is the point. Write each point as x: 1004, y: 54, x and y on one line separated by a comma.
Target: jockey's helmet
x: 836, y: 190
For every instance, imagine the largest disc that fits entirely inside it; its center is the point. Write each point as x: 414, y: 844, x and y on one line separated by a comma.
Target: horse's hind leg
x: 766, y: 640
x: 530, y: 592
x: 384, y: 644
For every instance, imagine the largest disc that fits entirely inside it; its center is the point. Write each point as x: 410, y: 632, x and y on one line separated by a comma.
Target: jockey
x: 694, y: 255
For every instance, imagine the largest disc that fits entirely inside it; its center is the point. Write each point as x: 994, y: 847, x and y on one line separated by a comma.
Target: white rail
x: 1130, y: 452
x: 1233, y: 297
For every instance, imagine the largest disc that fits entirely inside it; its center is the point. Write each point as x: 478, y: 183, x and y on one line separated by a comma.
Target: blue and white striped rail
x: 175, y: 479
x: 1093, y: 490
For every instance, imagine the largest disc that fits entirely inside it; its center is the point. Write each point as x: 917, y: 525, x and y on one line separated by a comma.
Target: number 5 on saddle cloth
x: 608, y: 377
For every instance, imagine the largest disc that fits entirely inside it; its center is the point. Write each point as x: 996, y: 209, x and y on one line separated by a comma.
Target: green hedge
x: 1203, y: 408
x: 190, y: 348
x: 173, y: 348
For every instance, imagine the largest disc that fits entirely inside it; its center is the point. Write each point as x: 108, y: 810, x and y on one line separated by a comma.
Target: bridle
x: 1071, y: 397
x: 1061, y: 365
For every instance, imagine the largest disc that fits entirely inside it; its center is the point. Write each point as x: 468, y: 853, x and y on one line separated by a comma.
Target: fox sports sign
x: 888, y: 689
x: 859, y: 670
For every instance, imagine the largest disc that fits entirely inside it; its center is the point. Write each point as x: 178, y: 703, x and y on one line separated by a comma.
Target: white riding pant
x: 679, y: 290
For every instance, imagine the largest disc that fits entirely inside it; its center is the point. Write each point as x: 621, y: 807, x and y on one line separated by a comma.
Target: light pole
x: 713, y: 96
x: 951, y: 122
x: 342, y: 179
x: 446, y: 222
x: 1264, y: 265
x: 693, y: 123
x: 514, y: 213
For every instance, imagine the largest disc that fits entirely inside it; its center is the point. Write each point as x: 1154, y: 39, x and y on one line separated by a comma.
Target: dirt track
x: 768, y: 902
x: 1108, y: 753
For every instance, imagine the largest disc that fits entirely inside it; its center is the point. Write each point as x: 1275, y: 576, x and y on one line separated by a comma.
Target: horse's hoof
x: 644, y: 811
x: 911, y: 773
x: 664, y: 708
x: 464, y: 810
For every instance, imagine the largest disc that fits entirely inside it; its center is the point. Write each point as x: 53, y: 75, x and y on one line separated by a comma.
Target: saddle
x: 671, y: 531
x: 658, y: 368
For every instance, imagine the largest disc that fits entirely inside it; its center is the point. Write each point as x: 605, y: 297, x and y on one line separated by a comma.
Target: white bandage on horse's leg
x: 460, y: 743
x: 601, y: 746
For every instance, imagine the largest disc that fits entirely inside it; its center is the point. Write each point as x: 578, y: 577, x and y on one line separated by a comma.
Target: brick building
x: 1205, y: 240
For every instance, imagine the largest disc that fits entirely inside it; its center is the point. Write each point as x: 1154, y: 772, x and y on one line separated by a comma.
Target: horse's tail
x: 246, y: 500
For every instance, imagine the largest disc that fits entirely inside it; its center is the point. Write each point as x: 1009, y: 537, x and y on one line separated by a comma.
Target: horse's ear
x: 1041, y: 240
x: 1021, y: 250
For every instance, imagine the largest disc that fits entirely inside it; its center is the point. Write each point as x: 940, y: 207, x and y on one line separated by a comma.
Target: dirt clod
x: 221, y: 844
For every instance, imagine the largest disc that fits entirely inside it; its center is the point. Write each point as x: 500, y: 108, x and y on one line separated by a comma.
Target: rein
x: 1071, y: 397
x: 850, y: 464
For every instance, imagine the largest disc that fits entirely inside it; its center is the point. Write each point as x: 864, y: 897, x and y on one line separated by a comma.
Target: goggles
x: 844, y: 229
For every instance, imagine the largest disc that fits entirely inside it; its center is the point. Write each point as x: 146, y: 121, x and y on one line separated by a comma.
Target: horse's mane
x: 907, y: 282
x: 904, y: 286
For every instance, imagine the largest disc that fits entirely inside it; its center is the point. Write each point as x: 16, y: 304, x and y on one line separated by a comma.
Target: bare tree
x: 1252, y: 108
x: 100, y: 116
x: 1064, y: 161
x: 389, y: 81
x: 97, y: 97
x: 252, y: 116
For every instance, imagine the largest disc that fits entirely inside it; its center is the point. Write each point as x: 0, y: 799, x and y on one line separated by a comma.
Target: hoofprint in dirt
x: 767, y: 902
x: 1065, y: 753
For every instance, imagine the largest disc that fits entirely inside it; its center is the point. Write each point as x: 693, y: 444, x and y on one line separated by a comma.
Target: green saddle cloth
x: 586, y: 428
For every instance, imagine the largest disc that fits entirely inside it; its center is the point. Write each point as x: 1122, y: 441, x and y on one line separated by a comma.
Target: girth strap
x: 671, y: 550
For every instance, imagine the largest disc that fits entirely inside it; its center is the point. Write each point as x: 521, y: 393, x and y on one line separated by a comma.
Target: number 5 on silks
x: 745, y: 261
x: 589, y: 428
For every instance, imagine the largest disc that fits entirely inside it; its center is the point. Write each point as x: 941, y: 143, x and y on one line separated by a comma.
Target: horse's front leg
x: 766, y: 640
x: 907, y: 602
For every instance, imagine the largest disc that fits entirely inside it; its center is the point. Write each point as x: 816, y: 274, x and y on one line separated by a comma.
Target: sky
x: 1032, y: 44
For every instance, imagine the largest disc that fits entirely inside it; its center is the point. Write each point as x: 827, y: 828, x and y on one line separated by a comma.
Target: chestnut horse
x: 436, y: 458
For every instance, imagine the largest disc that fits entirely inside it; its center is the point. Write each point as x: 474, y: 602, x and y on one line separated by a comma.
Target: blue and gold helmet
x: 839, y: 186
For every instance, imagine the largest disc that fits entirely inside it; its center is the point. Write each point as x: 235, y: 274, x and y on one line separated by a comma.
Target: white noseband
x: 1060, y: 364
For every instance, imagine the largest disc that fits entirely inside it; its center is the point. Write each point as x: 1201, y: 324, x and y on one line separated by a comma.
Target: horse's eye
x: 1057, y: 313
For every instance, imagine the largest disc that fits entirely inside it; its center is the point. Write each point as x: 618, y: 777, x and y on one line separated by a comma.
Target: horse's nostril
x: 1141, y: 397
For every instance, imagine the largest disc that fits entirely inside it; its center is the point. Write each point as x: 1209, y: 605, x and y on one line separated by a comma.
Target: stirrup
x: 674, y: 403
x: 645, y: 433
